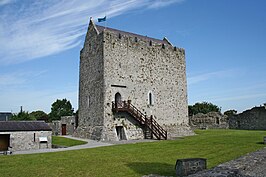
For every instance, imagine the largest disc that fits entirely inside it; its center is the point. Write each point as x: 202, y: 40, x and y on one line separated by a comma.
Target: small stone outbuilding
x: 25, y: 135
x: 65, y: 126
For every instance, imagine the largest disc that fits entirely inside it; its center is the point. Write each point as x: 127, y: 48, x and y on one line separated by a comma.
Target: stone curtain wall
x: 209, y: 120
x: 20, y: 141
x: 253, y: 119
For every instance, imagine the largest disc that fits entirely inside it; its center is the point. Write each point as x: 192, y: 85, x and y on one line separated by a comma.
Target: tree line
x: 58, y: 109
x: 64, y: 108
x: 206, y: 107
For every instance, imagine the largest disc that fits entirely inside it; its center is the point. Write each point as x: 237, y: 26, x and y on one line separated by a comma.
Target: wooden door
x: 63, y: 129
x: 4, y: 142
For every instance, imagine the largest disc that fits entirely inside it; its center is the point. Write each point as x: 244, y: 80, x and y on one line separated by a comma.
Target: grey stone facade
x: 68, y: 121
x: 149, y: 72
x: 209, y: 120
x: 253, y: 119
x: 28, y: 140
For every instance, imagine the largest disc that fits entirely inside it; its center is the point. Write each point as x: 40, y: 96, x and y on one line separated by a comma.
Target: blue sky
x: 225, y: 43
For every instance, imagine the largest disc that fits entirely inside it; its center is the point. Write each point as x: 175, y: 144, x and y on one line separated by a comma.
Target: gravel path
x: 90, y: 144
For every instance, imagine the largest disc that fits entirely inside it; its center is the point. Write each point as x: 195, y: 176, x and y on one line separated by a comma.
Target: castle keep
x: 131, y: 87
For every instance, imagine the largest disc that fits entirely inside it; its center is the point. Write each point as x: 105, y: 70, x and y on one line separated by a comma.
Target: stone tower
x: 122, y: 72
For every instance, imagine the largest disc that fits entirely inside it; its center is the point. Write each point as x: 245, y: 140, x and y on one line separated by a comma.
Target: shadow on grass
x: 146, y: 168
x: 260, y: 143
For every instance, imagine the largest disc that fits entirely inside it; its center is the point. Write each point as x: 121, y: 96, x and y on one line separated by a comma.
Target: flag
x: 102, y: 19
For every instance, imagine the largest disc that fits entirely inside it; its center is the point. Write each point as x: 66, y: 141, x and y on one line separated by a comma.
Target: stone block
x: 185, y: 167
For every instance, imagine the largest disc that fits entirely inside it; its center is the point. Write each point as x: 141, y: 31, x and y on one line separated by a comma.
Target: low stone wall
x: 253, y: 119
x: 250, y: 165
x: 209, y: 120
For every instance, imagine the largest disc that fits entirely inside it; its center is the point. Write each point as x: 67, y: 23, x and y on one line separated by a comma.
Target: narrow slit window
x: 150, y: 99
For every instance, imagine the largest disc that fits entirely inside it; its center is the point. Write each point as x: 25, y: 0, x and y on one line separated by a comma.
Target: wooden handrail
x: 151, y: 123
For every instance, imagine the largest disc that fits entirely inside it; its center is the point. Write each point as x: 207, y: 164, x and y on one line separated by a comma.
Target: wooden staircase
x: 150, y: 126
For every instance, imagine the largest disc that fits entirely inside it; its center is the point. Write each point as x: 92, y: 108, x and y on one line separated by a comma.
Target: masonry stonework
x: 125, y: 66
x: 29, y: 140
x: 212, y: 120
x: 253, y: 119
x: 69, y: 122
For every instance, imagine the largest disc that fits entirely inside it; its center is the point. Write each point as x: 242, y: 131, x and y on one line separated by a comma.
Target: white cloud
x: 18, y: 78
x: 241, y: 97
x: 5, y: 2
x: 162, y: 3
x: 211, y: 75
x: 33, y: 29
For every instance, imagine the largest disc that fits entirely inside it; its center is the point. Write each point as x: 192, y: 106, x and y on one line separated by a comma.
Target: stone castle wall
x: 253, y: 119
x: 135, y: 67
x: 141, y: 67
x: 91, y: 111
x: 209, y: 120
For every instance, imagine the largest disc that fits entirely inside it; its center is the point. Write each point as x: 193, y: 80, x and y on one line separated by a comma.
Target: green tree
x: 39, y: 115
x: 230, y: 112
x: 60, y: 108
x: 22, y: 115
x: 203, y: 107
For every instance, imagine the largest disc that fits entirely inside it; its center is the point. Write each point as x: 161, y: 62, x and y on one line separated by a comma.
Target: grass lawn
x: 217, y: 146
x: 67, y: 142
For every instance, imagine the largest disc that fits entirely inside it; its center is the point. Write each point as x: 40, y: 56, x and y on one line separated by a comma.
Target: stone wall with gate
x: 66, y: 126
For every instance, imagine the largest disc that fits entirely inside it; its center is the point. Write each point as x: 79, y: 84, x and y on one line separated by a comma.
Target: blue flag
x: 102, y: 19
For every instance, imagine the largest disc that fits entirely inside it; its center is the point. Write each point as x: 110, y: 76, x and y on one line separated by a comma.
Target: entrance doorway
x: 118, y: 100
x: 63, y: 129
x: 120, y: 133
x: 4, y: 142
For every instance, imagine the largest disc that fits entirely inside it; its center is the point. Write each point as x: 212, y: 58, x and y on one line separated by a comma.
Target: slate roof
x: 146, y: 38
x: 24, y: 126
x: 5, y: 115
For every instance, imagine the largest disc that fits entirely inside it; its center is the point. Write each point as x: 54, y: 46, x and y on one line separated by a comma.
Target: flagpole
x: 105, y: 21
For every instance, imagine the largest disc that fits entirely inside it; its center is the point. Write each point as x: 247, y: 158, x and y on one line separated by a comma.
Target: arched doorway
x: 118, y: 100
